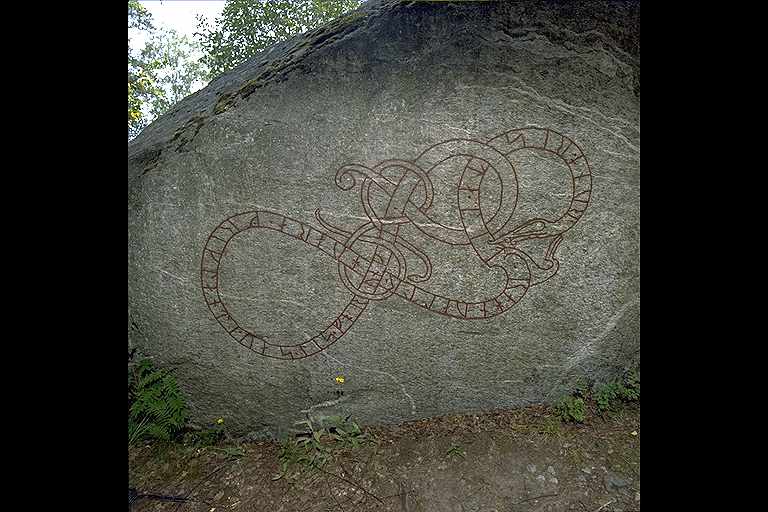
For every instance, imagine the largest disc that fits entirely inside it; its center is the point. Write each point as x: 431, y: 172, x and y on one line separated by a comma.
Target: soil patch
x: 504, y: 461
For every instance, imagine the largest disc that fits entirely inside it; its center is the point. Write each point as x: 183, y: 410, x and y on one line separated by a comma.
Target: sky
x: 180, y: 15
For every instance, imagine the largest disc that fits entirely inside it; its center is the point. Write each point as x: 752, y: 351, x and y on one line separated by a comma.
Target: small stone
x: 550, y: 470
x: 586, y: 470
x: 637, y: 496
x: 532, y: 468
x: 615, y: 481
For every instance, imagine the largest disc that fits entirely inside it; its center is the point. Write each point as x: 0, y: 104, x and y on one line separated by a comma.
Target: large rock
x: 440, y: 202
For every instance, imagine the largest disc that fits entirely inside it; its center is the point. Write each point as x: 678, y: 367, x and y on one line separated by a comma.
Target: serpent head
x: 534, y: 228
x: 540, y: 267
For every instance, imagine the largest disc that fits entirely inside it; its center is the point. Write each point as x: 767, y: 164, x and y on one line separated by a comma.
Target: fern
x: 157, y: 408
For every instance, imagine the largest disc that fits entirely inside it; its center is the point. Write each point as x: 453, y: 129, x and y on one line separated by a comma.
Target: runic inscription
x: 497, y: 240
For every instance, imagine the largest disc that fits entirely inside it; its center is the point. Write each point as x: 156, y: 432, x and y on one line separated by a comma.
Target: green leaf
x: 246, y: 27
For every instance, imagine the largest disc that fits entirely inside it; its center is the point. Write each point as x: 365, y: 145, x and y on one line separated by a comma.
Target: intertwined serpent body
x: 496, y: 240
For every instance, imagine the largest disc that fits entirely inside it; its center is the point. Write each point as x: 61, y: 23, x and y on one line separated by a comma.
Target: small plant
x: 550, y: 426
x: 206, y: 437
x: 297, y: 456
x: 582, y: 388
x: 233, y: 452
x: 629, y: 391
x: 456, y: 450
x: 571, y: 408
x: 156, y: 408
x: 605, y: 396
x: 345, y: 432
x: 314, y: 447
x: 340, y: 381
x: 608, y: 396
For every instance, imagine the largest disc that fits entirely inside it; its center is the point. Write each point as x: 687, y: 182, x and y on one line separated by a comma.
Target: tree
x: 141, y: 81
x: 162, y: 73
x: 246, y: 27
x: 180, y: 73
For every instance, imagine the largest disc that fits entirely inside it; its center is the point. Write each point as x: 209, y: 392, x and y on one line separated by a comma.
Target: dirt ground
x: 504, y: 461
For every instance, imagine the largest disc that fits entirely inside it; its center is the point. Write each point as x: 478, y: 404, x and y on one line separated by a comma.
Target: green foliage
x: 233, y: 452
x: 609, y: 395
x: 246, y: 27
x: 630, y: 389
x: 163, y: 72
x: 606, y: 396
x: 456, y: 450
x: 582, y: 388
x: 141, y: 84
x: 156, y: 408
x: 571, y: 408
x: 205, y: 437
x: 178, y: 72
x: 138, y: 16
x: 168, y: 67
x: 549, y: 426
x: 314, y: 447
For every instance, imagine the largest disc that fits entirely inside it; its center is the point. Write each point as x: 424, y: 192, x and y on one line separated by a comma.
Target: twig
x: 163, y: 497
x: 203, y: 481
x: 344, y: 470
x: 348, y: 472
x: 394, y: 495
x: 537, y: 497
x: 159, y: 497
x: 332, y: 496
x: 368, y: 462
x: 293, y: 482
x: 351, y: 483
x: 603, y: 506
x: 403, y: 496
x: 629, y: 465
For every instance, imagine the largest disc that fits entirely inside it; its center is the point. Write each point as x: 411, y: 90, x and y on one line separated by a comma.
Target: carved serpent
x: 495, y: 240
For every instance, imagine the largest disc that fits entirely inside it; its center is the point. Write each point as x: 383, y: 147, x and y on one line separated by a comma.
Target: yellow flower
x: 220, y: 421
x: 340, y: 379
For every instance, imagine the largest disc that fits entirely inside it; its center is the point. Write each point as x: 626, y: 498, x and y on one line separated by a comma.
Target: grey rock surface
x: 476, y: 169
